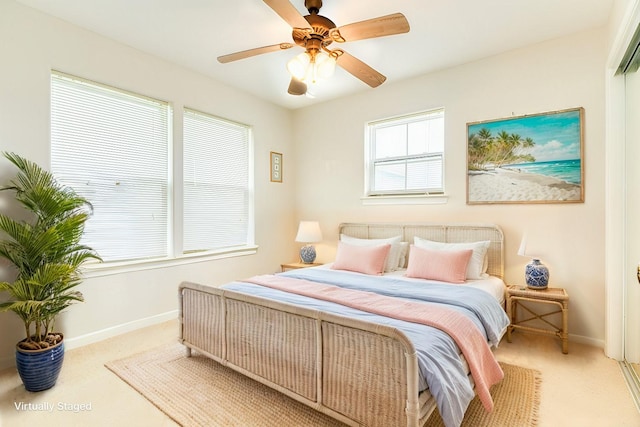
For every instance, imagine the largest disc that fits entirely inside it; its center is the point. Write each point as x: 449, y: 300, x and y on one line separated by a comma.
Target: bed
x: 359, y: 367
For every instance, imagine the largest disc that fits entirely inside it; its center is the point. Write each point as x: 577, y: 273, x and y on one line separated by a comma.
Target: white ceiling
x: 443, y: 33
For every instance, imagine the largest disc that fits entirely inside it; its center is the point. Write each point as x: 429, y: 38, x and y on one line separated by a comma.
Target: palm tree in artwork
x: 504, y: 148
x: 479, y: 148
x: 505, y: 144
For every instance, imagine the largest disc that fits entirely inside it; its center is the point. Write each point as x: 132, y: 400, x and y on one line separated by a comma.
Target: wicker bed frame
x: 358, y: 372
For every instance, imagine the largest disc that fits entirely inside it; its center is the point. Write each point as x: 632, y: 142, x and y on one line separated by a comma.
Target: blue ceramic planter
x: 39, y: 369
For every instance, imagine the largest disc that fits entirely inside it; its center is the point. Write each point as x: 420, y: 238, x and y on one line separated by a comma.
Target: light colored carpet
x: 197, y: 391
x: 516, y: 401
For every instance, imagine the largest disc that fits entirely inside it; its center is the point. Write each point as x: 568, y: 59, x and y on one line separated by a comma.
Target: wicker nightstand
x: 517, y: 295
x: 296, y: 265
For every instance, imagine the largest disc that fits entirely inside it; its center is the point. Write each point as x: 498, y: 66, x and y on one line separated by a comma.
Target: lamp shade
x: 298, y: 65
x: 325, y: 66
x: 309, y: 232
x: 312, y: 67
x: 522, y: 250
x: 297, y: 87
x: 531, y: 246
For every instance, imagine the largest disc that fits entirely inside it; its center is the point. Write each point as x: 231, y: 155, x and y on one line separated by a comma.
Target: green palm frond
x: 39, y: 192
x: 45, y: 251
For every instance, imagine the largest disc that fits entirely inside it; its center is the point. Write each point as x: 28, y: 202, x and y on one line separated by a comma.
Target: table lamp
x: 308, y: 232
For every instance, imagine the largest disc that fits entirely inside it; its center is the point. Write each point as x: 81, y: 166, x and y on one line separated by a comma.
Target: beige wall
x: 620, y: 12
x: 32, y: 44
x: 555, y: 75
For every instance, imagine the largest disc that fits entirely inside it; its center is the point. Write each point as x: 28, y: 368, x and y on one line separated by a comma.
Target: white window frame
x: 401, y: 196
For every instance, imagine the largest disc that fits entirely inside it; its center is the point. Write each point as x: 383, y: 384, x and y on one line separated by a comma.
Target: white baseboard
x: 586, y: 340
x: 113, y: 331
x: 93, y: 337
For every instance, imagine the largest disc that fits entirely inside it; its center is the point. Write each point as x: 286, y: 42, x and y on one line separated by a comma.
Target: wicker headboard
x: 447, y: 233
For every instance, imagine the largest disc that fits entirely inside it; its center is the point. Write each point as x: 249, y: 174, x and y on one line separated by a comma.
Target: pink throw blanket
x: 484, y: 368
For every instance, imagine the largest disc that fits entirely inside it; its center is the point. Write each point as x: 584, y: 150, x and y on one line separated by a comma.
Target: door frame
x: 615, y: 201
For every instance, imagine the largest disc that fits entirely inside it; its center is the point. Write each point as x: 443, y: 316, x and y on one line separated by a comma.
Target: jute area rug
x: 197, y: 391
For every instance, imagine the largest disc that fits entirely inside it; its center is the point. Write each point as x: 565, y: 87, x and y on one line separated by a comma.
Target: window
x: 217, y: 199
x: 112, y: 148
x: 405, y: 155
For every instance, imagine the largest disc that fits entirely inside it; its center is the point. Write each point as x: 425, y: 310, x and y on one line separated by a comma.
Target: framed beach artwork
x: 535, y: 158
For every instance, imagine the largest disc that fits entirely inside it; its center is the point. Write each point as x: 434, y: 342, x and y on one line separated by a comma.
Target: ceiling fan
x: 315, y: 33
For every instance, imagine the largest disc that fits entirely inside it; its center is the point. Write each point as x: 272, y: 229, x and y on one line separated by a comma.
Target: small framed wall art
x: 276, y: 167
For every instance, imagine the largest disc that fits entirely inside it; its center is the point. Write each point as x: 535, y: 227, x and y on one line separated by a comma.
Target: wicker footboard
x: 357, y: 372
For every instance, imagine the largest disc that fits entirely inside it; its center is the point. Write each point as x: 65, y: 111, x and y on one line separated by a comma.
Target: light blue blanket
x: 441, y: 368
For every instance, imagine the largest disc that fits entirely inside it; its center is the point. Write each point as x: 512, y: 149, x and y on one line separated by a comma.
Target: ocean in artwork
x: 565, y: 170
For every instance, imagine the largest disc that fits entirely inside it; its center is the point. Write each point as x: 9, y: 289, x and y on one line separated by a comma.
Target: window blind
x: 217, y: 189
x: 112, y: 147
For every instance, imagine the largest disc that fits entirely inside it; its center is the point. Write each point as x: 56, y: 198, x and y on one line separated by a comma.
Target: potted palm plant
x: 46, y: 253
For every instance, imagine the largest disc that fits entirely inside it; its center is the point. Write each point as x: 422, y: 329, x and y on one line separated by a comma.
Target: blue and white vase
x: 536, y: 274
x: 308, y: 254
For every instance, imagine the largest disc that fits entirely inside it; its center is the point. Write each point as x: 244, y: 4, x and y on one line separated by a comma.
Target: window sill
x: 408, y: 199
x: 110, y: 268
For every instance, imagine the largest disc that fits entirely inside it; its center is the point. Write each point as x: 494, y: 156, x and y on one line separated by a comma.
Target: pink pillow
x: 445, y: 266
x: 362, y: 259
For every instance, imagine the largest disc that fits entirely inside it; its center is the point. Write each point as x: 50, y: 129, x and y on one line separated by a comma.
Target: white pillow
x: 477, y: 264
x: 393, y: 260
x: 404, y: 252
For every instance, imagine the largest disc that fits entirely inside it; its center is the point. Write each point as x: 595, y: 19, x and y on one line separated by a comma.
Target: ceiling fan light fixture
x: 325, y: 66
x: 299, y: 65
x: 312, y: 67
x: 297, y: 87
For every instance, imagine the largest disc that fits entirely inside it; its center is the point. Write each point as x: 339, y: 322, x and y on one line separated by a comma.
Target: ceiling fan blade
x: 359, y: 69
x: 296, y: 87
x: 387, y: 25
x: 288, y: 12
x: 253, y: 52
